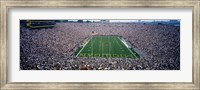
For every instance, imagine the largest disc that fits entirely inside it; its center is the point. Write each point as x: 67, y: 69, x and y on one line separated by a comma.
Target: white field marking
x: 123, y: 41
x: 102, y: 47
x: 99, y: 45
x: 92, y: 46
x: 83, y: 47
x: 132, y: 52
x: 109, y: 45
x: 116, y: 41
x: 128, y: 49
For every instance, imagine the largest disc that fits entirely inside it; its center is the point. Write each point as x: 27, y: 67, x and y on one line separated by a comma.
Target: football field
x: 106, y: 46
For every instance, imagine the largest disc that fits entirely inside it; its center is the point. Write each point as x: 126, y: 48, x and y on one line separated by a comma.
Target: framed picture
x: 100, y: 44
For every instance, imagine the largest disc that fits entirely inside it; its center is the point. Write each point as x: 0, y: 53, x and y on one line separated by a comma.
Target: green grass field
x: 106, y: 46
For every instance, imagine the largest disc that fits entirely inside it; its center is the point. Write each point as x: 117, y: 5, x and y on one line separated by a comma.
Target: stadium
x: 99, y: 44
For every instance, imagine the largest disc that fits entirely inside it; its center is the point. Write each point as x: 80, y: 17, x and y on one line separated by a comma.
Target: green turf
x: 106, y: 46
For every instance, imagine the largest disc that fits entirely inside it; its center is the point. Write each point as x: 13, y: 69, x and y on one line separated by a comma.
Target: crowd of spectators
x: 53, y: 48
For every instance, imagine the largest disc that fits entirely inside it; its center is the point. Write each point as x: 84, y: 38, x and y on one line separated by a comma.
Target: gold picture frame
x: 6, y: 4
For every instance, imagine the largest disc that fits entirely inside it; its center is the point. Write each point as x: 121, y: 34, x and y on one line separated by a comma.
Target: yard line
x: 83, y: 47
x: 102, y: 47
x: 109, y: 45
x: 92, y: 46
x: 129, y: 49
x: 99, y: 43
x: 116, y: 41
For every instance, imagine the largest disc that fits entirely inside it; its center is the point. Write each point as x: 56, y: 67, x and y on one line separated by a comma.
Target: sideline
x: 83, y: 47
x: 127, y: 48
